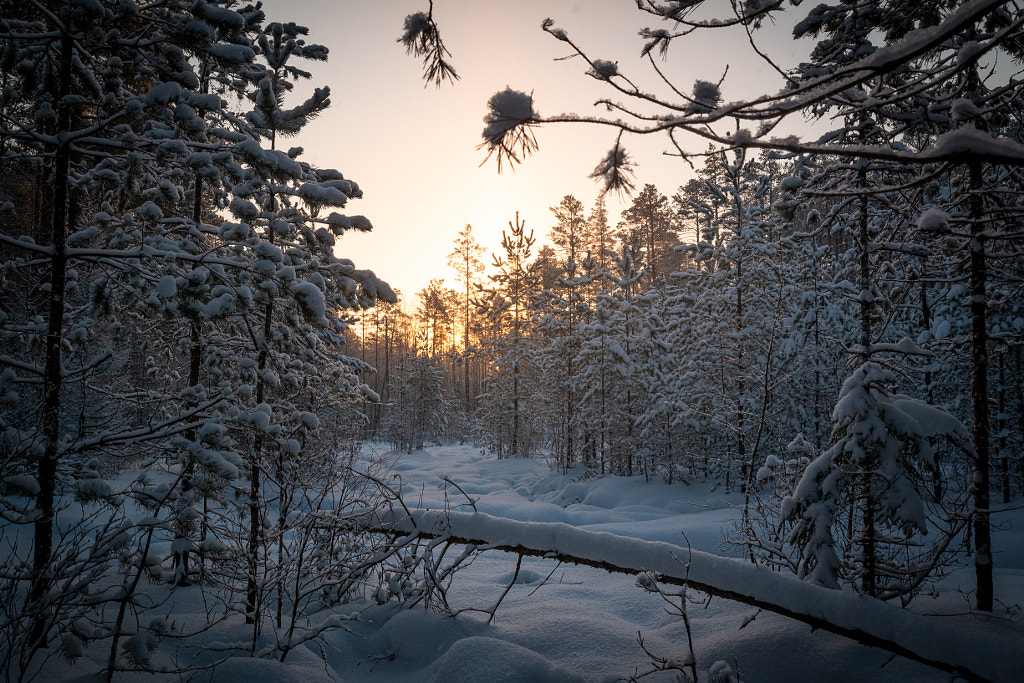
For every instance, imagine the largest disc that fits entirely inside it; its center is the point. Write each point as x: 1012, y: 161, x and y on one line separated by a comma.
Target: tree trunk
x: 868, y: 535
x: 979, y: 397
x: 1004, y: 453
x: 869, y: 539
x: 181, y: 558
x: 465, y: 349
x: 515, y: 409
x: 46, y: 473
x: 255, y: 524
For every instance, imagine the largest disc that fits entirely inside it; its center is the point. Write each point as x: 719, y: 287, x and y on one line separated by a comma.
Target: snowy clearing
x: 562, y: 622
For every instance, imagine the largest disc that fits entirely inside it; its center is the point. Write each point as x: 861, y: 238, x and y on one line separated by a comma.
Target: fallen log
x: 976, y: 649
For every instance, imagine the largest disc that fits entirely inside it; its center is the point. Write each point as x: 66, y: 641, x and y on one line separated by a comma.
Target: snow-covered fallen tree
x: 981, y: 653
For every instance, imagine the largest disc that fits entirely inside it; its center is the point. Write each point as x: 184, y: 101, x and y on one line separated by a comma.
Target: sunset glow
x: 413, y: 149
x: 535, y: 340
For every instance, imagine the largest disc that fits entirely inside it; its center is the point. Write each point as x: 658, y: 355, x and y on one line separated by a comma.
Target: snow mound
x: 417, y: 636
x: 489, y: 659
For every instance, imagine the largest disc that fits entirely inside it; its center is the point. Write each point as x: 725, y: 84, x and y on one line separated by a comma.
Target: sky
x: 413, y: 148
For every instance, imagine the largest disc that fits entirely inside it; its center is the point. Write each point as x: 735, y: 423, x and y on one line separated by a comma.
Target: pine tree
x: 465, y: 260
x: 568, y: 234
x: 600, y: 240
x: 882, y: 445
x: 420, y: 407
x: 561, y: 323
x: 301, y: 287
x: 649, y: 216
x: 509, y: 305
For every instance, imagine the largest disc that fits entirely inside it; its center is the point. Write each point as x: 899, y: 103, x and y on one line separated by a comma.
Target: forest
x: 191, y: 372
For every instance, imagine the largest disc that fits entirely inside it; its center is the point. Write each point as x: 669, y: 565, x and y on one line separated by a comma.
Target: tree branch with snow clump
x: 706, y: 96
x: 702, y: 117
x: 933, y: 220
x: 422, y: 38
x: 603, y: 69
x: 508, y: 131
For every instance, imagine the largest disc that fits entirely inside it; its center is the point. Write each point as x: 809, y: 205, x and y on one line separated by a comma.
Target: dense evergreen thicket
x: 173, y: 305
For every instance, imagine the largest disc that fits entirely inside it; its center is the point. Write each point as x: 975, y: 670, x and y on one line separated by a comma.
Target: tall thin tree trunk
x: 741, y: 444
x: 1020, y: 413
x: 868, y: 535
x: 46, y: 473
x: 465, y: 348
x: 817, y: 362
x: 570, y: 399
x: 979, y: 396
x: 741, y: 387
x: 181, y: 558
x: 255, y: 523
x: 926, y: 324
x: 1004, y: 454
x: 515, y: 408
x: 868, y: 579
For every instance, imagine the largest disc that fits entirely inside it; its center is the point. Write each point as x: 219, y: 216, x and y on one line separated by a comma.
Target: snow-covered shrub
x: 878, y: 473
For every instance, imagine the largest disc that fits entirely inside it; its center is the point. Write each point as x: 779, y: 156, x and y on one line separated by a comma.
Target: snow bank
x: 489, y: 659
x: 985, y: 652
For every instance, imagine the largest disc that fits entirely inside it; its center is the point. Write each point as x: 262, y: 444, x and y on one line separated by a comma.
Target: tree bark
x: 979, y: 396
x: 46, y: 472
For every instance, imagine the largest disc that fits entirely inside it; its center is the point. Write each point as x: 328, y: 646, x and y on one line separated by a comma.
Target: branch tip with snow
x: 508, y: 130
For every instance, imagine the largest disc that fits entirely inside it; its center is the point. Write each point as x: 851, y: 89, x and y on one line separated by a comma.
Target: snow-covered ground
x: 576, y: 623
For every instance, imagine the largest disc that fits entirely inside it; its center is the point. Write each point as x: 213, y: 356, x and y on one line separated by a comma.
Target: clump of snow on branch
x: 416, y: 31
x: 549, y: 26
x: 507, y: 126
x: 603, y: 70
x: 421, y: 38
x: 706, y: 96
x: 721, y: 672
x: 969, y: 142
x: 742, y: 137
x: 963, y: 110
x: 754, y: 11
x: 310, y: 296
x: 933, y: 220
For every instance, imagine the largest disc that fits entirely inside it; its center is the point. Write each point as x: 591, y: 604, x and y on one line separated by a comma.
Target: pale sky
x: 412, y: 149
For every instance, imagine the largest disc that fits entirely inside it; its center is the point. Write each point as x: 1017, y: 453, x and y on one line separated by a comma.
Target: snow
x: 968, y: 140
x: 323, y: 194
x: 737, y: 577
x: 162, y: 93
x: 508, y: 109
x: 166, y: 287
x: 578, y: 623
x: 706, y: 96
x: 488, y: 659
x: 220, y: 16
x: 311, y: 297
x: 230, y: 53
x: 23, y: 483
x: 272, y: 159
x: 604, y: 69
